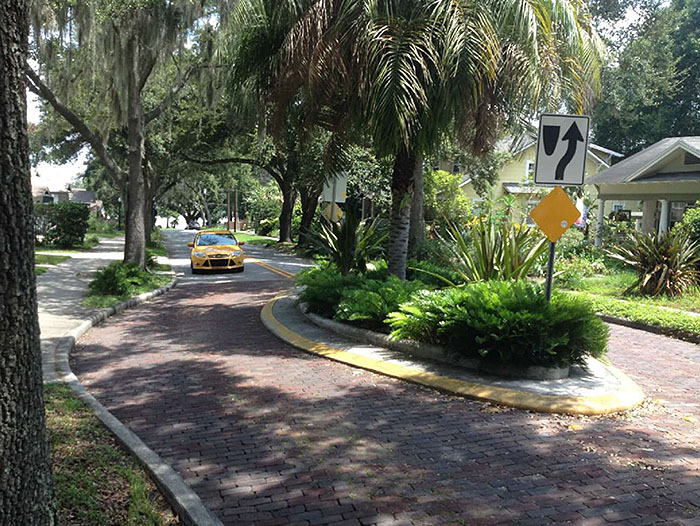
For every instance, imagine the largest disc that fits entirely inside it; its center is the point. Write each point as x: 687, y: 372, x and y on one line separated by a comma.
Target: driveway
x: 269, y: 435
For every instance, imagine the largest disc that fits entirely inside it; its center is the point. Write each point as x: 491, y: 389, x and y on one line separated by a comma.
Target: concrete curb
x: 628, y: 396
x: 181, y: 497
x: 432, y: 352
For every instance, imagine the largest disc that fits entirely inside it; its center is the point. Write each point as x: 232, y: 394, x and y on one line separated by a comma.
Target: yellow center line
x: 271, y: 268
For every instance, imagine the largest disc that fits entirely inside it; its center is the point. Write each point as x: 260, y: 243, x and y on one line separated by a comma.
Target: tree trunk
x: 135, y: 249
x: 288, y: 198
x: 26, y: 489
x: 309, y: 203
x: 416, y: 234
x: 401, y: 193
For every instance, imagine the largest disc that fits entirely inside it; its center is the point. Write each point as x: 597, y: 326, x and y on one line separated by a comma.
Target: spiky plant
x: 492, y: 250
x: 665, y: 264
x: 351, y: 242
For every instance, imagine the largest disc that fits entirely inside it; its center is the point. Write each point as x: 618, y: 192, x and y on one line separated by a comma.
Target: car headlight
x: 237, y: 252
x: 200, y: 254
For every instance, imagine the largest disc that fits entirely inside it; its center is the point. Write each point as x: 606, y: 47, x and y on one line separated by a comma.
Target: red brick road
x: 269, y: 435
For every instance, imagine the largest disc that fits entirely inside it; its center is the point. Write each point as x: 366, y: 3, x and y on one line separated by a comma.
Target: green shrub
x: 62, y: 224
x: 372, y: 300
x: 494, y: 250
x: 267, y: 226
x: 504, y: 322
x: 573, y: 243
x: 324, y: 288
x: 571, y: 272
x: 432, y: 251
x: 690, y: 224
x: 116, y: 279
x: 664, y: 265
x: 98, y: 225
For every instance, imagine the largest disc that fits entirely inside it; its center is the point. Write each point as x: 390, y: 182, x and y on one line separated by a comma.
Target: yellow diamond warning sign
x: 555, y: 214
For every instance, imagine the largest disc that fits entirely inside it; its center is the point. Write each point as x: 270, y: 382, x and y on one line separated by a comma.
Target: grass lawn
x: 97, y: 482
x: 148, y: 283
x: 49, y: 259
x: 108, y: 235
x: 615, y: 284
x: 254, y: 239
x: 46, y: 259
x: 90, y: 241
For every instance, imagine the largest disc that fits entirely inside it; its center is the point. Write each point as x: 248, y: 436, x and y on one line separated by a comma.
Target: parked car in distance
x: 215, y: 250
x: 193, y: 225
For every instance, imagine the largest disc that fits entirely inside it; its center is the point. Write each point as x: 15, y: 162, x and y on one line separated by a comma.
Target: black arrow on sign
x: 573, y: 135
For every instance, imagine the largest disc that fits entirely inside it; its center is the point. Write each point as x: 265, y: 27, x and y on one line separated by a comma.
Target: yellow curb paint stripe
x: 629, y: 395
x: 271, y: 268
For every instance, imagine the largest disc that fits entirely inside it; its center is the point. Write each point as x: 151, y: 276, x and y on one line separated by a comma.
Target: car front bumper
x: 217, y: 263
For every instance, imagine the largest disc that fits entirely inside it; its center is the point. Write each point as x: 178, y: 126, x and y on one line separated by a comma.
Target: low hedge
x: 364, y: 300
x: 674, y: 320
x: 503, y: 322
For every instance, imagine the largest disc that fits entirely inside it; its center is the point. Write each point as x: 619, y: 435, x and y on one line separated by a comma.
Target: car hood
x: 217, y: 249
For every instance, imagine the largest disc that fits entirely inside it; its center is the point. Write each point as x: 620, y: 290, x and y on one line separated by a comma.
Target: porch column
x: 663, y: 220
x: 648, y: 216
x: 601, y: 223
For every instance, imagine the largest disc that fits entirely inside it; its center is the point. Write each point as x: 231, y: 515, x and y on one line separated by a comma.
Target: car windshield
x: 206, y: 240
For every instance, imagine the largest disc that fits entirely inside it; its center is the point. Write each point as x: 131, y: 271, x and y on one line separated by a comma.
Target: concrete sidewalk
x: 60, y: 292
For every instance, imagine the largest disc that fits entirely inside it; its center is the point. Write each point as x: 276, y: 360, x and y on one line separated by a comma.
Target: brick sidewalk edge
x: 181, y: 497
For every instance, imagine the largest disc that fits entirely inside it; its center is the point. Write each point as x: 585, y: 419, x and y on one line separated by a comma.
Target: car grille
x: 219, y: 262
x: 218, y: 255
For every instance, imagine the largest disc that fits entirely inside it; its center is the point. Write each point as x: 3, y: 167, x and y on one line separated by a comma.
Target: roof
x: 634, y: 166
x: 82, y: 196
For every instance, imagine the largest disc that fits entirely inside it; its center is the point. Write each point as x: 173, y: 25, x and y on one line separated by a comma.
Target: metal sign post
x: 562, y: 148
x: 550, y: 271
x: 333, y: 197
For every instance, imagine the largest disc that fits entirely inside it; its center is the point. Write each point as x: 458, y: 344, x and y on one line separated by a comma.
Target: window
x: 529, y: 171
x: 616, y: 207
x: 528, y: 208
x: 456, y: 168
x: 678, y: 208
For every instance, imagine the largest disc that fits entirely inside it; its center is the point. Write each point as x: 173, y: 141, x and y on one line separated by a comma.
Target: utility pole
x: 228, y: 206
x: 235, y: 209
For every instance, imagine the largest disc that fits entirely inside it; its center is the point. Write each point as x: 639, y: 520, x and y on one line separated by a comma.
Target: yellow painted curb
x: 629, y: 395
x: 276, y: 270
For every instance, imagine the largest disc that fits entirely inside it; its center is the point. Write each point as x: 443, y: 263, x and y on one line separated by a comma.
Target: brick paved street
x: 269, y: 435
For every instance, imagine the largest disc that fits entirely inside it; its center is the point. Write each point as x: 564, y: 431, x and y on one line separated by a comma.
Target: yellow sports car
x: 215, y: 249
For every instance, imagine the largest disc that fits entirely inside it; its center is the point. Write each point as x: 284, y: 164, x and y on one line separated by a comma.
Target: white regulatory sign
x: 335, y: 189
x: 561, y: 150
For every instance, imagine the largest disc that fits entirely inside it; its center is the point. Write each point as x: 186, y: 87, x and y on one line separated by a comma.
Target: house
x: 661, y: 181
x: 517, y: 174
x: 42, y: 194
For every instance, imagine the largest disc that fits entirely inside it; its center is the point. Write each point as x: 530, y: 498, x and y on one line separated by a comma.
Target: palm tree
x: 410, y: 71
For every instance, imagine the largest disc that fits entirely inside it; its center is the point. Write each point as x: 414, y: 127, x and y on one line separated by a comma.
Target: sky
x: 55, y: 176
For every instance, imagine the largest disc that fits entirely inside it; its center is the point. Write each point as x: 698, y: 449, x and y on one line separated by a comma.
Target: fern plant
x: 506, y: 322
x: 664, y: 265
